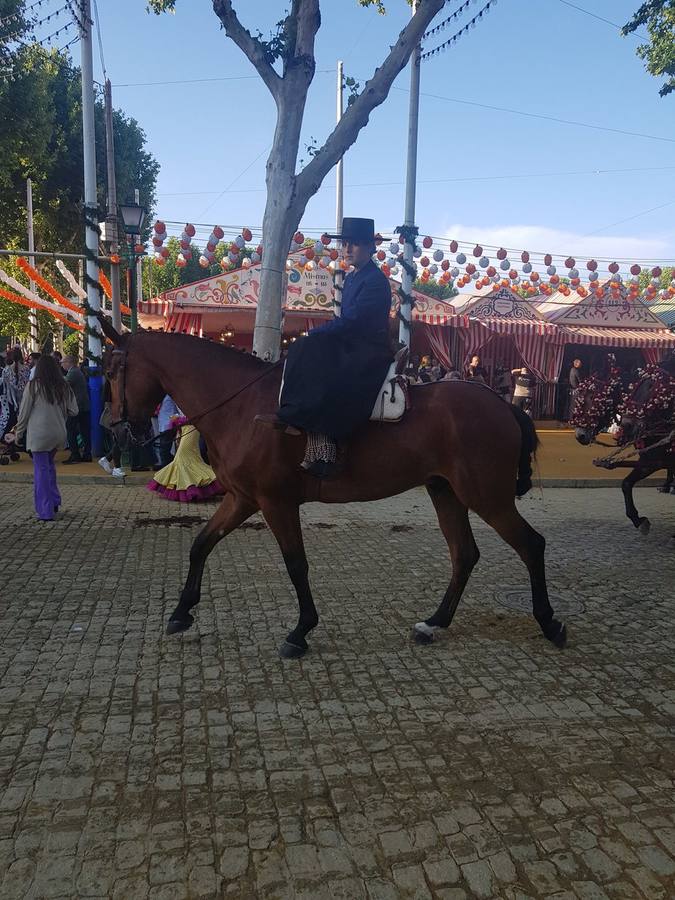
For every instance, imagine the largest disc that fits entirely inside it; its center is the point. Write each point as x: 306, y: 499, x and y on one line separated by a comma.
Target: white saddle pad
x: 391, y: 401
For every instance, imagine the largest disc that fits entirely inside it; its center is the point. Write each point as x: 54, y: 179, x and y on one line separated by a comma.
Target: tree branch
x: 249, y: 45
x: 374, y: 93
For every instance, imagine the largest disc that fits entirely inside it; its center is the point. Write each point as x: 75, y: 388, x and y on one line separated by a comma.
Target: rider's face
x: 356, y: 255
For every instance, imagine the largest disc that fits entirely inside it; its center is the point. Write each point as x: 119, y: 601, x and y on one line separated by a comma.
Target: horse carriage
x: 640, y: 414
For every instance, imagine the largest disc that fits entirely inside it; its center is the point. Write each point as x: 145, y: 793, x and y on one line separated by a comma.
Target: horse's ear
x: 108, y: 330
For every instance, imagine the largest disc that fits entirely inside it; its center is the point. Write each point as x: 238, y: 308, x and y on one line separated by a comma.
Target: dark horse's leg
x: 284, y: 521
x: 453, y: 517
x: 530, y: 546
x: 231, y: 513
x: 638, y: 473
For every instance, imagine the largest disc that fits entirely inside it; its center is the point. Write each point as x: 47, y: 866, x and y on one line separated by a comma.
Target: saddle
x: 393, y: 399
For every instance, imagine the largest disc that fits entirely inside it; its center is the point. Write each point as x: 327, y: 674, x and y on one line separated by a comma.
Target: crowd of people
x: 513, y: 385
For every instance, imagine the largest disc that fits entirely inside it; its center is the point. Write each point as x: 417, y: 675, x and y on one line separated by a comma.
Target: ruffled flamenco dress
x: 187, y: 478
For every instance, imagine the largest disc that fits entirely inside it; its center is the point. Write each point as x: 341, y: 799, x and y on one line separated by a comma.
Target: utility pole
x: 91, y: 230
x: 339, y: 276
x: 111, y: 218
x: 34, y: 344
x: 138, y: 262
x: 404, y: 332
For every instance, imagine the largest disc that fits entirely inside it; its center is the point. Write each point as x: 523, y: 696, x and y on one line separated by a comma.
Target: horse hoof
x: 423, y: 633
x: 559, y: 639
x: 291, y: 651
x: 175, y: 626
x: 644, y: 527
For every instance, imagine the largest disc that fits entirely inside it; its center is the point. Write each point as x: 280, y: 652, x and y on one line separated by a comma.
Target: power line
x: 455, y: 37
x: 629, y: 218
x: 520, y: 112
x: 601, y: 19
x: 97, y: 19
x: 234, y: 181
x: 200, y: 80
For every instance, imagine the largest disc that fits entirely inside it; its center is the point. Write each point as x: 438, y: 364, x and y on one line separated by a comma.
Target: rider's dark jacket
x: 332, y: 377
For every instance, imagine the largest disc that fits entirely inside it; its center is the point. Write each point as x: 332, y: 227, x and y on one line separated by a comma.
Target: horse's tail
x: 528, y: 450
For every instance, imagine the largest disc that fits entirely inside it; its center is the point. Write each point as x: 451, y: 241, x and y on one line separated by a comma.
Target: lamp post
x: 133, y: 217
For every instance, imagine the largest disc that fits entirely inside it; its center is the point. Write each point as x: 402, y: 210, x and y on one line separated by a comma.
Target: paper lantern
x: 325, y: 239
x: 570, y: 262
x: 513, y: 274
x: 635, y: 269
x: 160, y: 227
x: 386, y: 270
x: 159, y: 260
x: 527, y: 267
x: 593, y: 277
x: 484, y: 262
x: 255, y: 257
x: 190, y: 230
x: 181, y: 262
x: 164, y: 252
x: 427, y: 242
x: 393, y: 248
x: 211, y: 246
x: 318, y: 248
x: 453, y: 246
x: 299, y: 237
x: 534, y: 276
x: 433, y: 268
x: 461, y: 259
x: 417, y: 253
x: 470, y: 268
x: 505, y: 265
x: 424, y: 261
x: 203, y: 262
x: 157, y: 242
x: 381, y: 255
x: 550, y: 270
x: 554, y: 279
x: 477, y: 250
x: 548, y: 259
x: 501, y: 253
x: 309, y: 253
x: 491, y: 271
x: 591, y: 265
x: 378, y: 239
x: 445, y: 265
x: 185, y: 245
x: 454, y: 272
x: 438, y: 255
x: 525, y: 256
x: 310, y: 265
x: 246, y: 262
x: 574, y: 273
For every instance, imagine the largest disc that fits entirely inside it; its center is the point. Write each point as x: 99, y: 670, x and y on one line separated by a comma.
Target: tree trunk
x: 281, y: 220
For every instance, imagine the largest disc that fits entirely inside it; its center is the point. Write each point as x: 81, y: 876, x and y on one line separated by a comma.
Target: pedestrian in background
x: 79, y: 424
x: 13, y: 380
x: 32, y: 362
x: 47, y: 403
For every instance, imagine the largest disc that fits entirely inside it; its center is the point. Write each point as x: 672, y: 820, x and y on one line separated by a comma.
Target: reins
x: 192, y: 419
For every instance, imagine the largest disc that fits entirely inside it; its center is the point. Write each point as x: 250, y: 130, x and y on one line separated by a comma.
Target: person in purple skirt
x: 47, y: 402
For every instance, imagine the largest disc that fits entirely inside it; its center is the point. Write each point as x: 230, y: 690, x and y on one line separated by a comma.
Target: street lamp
x: 133, y: 217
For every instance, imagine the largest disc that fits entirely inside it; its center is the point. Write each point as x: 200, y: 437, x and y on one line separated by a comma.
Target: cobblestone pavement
x: 486, y: 765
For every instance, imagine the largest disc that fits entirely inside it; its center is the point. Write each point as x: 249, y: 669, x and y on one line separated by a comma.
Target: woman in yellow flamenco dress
x: 187, y: 478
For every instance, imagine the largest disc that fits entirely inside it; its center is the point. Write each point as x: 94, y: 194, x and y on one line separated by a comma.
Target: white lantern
x: 454, y: 272
x: 527, y: 268
x: 438, y: 255
x: 574, y: 273
x: 433, y: 268
x: 592, y: 277
x: 319, y: 248
x: 246, y: 263
x: 505, y: 265
x: 551, y: 270
x: 461, y: 258
x: 203, y: 262
x: 417, y: 253
x: 394, y: 270
x: 484, y: 262
x: 394, y: 247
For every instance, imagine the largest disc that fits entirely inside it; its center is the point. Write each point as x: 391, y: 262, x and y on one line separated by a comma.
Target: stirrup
x: 271, y: 420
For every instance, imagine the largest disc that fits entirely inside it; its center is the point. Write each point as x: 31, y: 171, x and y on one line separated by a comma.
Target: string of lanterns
x: 444, y: 24
x: 530, y: 274
x: 455, y: 37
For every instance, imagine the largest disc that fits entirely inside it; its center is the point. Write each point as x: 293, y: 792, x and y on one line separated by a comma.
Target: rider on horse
x: 332, y: 376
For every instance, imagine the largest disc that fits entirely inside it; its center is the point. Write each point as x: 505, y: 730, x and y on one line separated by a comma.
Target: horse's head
x: 134, y: 384
x: 650, y: 405
x: 596, y: 401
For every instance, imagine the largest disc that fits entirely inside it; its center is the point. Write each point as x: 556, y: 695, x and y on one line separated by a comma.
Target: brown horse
x: 461, y: 441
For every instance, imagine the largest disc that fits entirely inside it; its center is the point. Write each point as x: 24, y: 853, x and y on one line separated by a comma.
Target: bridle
x: 126, y: 424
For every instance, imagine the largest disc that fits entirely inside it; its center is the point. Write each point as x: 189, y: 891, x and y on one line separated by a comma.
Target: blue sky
x: 484, y: 174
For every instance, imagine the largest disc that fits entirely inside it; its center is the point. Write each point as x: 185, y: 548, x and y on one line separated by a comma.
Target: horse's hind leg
x: 453, y: 517
x: 530, y: 546
x: 231, y: 513
x: 284, y: 521
x: 641, y: 522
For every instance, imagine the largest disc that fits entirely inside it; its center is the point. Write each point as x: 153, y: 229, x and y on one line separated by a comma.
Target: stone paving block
x: 136, y: 765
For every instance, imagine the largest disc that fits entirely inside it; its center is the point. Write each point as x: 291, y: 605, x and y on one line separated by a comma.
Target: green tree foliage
x: 41, y: 139
x: 434, y: 289
x: 659, y: 54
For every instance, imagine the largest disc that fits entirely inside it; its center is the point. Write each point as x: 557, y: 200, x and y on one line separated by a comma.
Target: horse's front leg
x: 231, y: 513
x: 284, y: 521
x: 638, y: 473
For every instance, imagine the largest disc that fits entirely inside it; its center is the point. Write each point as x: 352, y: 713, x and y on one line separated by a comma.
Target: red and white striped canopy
x: 155, y: 307
x: 618, y: 337
x: 184, y: 323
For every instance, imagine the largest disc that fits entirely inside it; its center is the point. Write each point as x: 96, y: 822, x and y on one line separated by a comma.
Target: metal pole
x: 133, y: 283
x: 112, y: 207
x: 404, y: 331
x: 137, y: 287
x: 32, y: 313
x: 339, y: 276
x: 91, y: 233
x: 50, y: 254
x: 339, y: 191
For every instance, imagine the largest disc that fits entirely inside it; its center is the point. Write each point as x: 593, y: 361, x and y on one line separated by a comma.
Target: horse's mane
x: 204, y: 349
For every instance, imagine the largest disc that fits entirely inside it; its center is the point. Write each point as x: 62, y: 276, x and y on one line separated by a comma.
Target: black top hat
x: 361, y: 231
